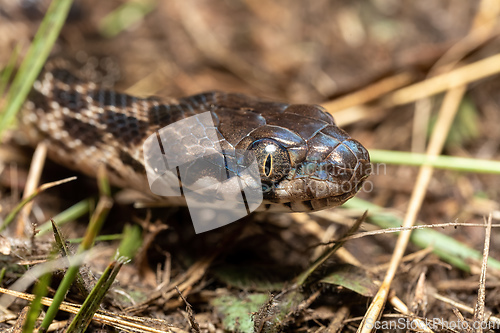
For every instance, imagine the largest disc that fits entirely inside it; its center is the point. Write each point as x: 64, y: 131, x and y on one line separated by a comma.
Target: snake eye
x: 272, y: 158
x: 268, y: 166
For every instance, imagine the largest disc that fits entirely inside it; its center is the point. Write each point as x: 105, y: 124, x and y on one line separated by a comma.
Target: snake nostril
x: 362, y: 171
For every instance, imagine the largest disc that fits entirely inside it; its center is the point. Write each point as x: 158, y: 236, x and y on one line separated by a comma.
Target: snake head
x: 327, y: 171
x: 306, y: 162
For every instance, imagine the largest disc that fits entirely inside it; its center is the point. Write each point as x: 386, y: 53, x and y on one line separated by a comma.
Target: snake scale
x: 306, y: 162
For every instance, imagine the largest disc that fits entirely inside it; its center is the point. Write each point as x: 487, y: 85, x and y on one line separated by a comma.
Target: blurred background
x: 305, y: 52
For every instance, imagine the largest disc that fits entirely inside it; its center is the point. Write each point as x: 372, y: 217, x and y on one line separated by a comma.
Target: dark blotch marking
x: 166, y: 114
x: 87, y: 133
x: 131, y: 162
x: 127, y: 130
x: 39, y: 100
x: 69, y: 99
x: 202, y: 100
x: 105, y: 98
x: 59, y: 144
x: 64, y: 75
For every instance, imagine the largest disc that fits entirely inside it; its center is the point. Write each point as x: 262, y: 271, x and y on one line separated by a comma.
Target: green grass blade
x: 72, y: 213
x: 35, y: 59
x: 131, y: 242
x: 2, y: 274
x: 65, y: 252
x: 100, y: 238
x: 36, y: 305
x: 447, y: 248
x: 84, y: 316
x: 9, y: 68
x: 95, y: 225
x: 20, y: 205
x: 59, y: 297
x: 441, y: 162
x: 125, y: 16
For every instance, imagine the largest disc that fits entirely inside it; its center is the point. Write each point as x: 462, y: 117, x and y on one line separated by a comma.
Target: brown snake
x: 312, y: 165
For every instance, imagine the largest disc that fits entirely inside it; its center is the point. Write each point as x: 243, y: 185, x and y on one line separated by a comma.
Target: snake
x: 305, y: 161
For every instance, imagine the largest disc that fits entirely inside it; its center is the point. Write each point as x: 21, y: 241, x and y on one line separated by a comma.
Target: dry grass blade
x: 6, y: 315
x: 492, y: 320
x: 107, y: 318
x: 183, y: 282
x: 337, y: 322
x: 446, y: 115
x: 34, y: 175
x: 415, y: 322
x: 368, y: 93
x: 352, y: 112
x: 479, y: 35
x: 455, y: 82
x: 187, y: 279
x: 40, y: 189
x: 438, y: 84
x: 18, y: 326
x: 427, y: 88
x: 37, y: 272
x: 190, y: 313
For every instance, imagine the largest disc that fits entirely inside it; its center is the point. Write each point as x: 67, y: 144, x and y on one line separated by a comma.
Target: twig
x: 481, y: 293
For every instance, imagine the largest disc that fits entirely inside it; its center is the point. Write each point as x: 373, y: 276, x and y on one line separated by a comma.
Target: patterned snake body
x: 306, y: 162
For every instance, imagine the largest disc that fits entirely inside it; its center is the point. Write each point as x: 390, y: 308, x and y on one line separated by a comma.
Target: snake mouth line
x: 310, y: 205
x: 308, y: 194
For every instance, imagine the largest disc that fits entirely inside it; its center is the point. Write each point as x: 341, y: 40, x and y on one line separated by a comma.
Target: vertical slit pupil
x: 268, y: 165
